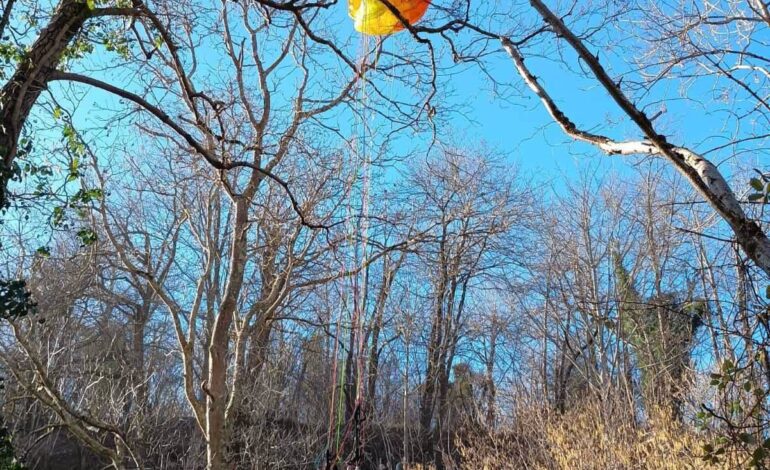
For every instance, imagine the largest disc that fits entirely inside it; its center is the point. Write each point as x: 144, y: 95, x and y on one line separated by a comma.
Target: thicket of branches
x: 235, y: 236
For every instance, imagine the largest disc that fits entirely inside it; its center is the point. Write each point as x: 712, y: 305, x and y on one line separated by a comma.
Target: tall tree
x: 662, y: 332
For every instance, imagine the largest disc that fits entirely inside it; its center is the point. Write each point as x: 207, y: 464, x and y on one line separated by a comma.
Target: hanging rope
x: 358, y: 239
x: 361, y: 275
x: 370, y: 17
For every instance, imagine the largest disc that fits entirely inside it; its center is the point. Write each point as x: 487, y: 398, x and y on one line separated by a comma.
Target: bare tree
x: 695, y: 167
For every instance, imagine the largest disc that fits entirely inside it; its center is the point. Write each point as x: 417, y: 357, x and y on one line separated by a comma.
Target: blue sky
x: 517, y: 126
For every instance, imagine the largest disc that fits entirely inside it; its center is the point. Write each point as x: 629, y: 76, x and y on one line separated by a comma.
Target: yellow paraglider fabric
x: 374, y: 18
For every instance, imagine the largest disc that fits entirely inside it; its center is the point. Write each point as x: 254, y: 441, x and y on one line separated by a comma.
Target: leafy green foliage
x: 18, y: 169
x: 8, y: 459
x: 662, y: 331
x: 80, y: 48
x: 79, y: 202
x: 761, y: 187
x: 10, y: 55
x: 15, y: 299
x: 116, y: 41
x: 87, y: 237
x: 712, y: 452
x: 739, y: 421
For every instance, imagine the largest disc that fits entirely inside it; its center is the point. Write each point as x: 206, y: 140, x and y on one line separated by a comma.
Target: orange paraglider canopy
x: 373, y: 17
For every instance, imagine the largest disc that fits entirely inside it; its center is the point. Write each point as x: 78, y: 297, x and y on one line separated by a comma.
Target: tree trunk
x: 216, y: 386
x: 21, y: 92
x: 379, y: 311
x: 490, y: 379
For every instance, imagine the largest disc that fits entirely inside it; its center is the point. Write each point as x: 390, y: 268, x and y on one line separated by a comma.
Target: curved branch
x: 189, y: 138
x: 700, y: 172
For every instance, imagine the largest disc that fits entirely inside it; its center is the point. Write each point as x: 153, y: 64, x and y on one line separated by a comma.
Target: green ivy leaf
x: 15, y: 299
x: 58, y: 216
x: 87, y: 236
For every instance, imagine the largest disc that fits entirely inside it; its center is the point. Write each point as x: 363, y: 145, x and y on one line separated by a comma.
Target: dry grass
x: 584, y: 441
x: 587, y: 439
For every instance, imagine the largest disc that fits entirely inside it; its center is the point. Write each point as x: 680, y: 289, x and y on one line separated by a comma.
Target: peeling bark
x: 703, y: 175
